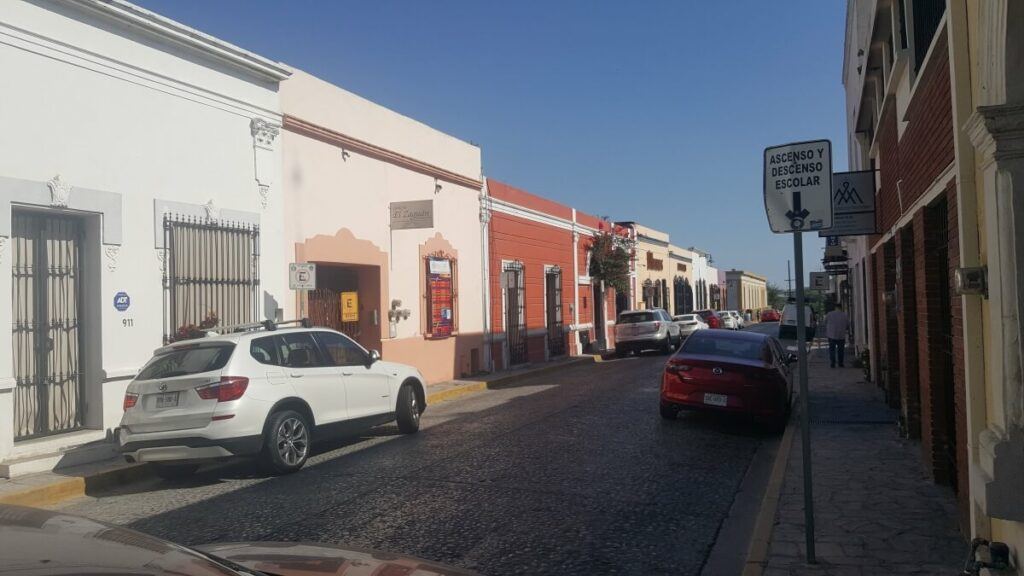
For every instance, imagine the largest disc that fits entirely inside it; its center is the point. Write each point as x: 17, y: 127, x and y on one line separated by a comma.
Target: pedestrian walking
x: 836, y: 324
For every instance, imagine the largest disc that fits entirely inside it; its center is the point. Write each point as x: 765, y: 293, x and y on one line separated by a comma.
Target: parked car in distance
x: 770, y: 315
x: 728, y: 320
x: 689, y: 323
x: 36, y: 542
x: 787, y: 324
x: 731, y: 372
x: 740, y: 323
x: 638, y: 330
x: 260, y: 391
x: 711, y: 318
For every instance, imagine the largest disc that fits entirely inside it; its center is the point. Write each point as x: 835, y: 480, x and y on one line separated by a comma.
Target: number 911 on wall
x: 798, y: 186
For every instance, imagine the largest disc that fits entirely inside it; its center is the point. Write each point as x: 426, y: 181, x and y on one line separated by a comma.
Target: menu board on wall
x: 441, y: 298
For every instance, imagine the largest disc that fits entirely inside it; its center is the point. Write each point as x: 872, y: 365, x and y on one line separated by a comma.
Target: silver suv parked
x: 638, y: 330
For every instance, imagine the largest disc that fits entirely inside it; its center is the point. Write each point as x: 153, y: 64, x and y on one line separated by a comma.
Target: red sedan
x: 731, y: 372
x: 770, y: 315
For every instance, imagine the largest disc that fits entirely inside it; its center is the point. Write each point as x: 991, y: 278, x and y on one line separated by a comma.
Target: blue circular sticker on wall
x: 122, y: 301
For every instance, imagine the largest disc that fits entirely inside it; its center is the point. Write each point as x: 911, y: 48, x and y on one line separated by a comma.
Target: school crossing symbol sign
x: 853, y: 195
x: 798, y: 186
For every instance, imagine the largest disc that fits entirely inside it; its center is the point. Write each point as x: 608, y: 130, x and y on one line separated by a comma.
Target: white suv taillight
x: 129, y: 400
x: 229, y: 388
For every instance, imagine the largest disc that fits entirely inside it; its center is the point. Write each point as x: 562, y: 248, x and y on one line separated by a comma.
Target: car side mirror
x: 791, y: 358
x: 374, y: 356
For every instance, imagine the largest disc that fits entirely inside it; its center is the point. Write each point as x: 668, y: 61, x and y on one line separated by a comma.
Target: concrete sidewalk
x: 49, y: 488
x: 876, y: 511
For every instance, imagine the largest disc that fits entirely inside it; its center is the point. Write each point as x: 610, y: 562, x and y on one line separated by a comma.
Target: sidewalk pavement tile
x: 876, y: 510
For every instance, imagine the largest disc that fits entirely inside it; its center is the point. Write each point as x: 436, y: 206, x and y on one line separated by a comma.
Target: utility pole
x: 789, y: 282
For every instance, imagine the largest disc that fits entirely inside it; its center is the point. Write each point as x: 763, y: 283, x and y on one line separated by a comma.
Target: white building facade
x: 138, y: 193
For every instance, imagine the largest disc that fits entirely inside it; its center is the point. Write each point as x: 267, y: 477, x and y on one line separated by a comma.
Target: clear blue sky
x: 654, y: 111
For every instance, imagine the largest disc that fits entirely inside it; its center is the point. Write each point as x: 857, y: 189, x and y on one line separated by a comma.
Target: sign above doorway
x: 302, y: 276
x: 412, y: 214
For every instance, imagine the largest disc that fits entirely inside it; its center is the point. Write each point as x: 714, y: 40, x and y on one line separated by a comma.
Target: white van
x: 787, y: 327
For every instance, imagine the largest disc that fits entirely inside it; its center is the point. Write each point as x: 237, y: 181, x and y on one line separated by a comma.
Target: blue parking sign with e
x: 122, y: 301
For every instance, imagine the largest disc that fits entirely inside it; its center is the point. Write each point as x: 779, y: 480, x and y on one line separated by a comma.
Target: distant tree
x: 776, y: 296
x: 610, y: 254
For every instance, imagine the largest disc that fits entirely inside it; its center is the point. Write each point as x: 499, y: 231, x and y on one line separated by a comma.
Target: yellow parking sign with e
x: 350, y: 307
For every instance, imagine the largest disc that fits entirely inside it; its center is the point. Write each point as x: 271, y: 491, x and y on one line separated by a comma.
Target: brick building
x: 935, y: 103
x: 542, y: 300
x: 901, y: 124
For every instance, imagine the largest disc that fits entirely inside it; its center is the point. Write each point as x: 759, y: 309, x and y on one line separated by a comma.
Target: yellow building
x: 745, y: 291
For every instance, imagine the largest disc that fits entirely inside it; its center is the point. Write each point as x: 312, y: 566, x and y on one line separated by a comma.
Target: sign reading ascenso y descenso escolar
x: 798, y: 186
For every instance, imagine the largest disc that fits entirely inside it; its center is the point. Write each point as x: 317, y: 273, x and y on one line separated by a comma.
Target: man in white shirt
x: 836, y: 324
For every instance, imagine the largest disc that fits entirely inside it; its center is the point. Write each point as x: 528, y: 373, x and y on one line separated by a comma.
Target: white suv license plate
x: 715, y: 399
x: 167, y: 400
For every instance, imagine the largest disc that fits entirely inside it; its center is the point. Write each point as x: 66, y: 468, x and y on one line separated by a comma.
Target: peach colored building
x: 389, y: 211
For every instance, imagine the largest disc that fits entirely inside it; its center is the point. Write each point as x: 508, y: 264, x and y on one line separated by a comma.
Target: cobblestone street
x: 568, y: 473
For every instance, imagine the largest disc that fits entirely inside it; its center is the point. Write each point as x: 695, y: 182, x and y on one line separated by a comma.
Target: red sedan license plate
x: 715, y: 399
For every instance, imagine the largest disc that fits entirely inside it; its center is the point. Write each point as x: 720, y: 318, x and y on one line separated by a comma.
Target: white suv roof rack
x: 268, y: 325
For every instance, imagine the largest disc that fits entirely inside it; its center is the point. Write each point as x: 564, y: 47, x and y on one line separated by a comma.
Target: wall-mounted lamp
x: 860, y: 52
x: 396, y: 313
x: 437, y: 186
x: 971, y: 281
x: 344, y: 155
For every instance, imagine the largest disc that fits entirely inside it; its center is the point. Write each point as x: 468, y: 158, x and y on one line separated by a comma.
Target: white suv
x: 263, y: 392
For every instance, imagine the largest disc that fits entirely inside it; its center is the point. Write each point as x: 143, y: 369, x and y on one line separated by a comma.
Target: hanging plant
x: 193, y: 331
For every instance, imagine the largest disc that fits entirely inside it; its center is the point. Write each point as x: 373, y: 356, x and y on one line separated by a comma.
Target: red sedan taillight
x: 229, y: 388
x: 130, y: 400
x: 677, y: 368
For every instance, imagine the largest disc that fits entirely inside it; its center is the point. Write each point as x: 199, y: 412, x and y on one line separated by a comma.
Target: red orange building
x: 542, y: 300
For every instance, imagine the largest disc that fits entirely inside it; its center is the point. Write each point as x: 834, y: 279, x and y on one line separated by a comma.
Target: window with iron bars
x: 211, y: 274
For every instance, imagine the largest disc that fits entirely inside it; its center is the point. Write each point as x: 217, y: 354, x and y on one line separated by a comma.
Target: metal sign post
x: 805, y: 404
x: 798, y: 197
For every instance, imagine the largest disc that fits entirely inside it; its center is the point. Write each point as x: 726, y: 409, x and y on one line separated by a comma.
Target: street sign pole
x: 805, y: 408
x: 798, y: 198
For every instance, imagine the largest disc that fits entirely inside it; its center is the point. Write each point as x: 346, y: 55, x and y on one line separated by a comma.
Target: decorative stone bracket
x: 263, y: 136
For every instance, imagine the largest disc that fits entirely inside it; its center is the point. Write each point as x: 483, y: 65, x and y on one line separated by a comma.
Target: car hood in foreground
x: 294, y: 559
x: 36, y: 542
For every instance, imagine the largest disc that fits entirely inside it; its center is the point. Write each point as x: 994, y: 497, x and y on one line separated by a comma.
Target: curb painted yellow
x: 47, y: 495
x: 757, y: 553
x: 453, y: 393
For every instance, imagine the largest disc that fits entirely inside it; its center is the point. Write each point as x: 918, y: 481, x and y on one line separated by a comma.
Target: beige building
x: 653, y: 265
x: 745, y: 291
x: 389, y: 211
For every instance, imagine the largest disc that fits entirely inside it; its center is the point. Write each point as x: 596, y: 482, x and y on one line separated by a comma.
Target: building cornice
x: 997, y: 132
x: 167, y: 29
x: 350, y: 144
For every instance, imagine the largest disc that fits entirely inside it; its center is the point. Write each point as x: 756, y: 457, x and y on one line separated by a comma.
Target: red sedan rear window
x: 726, y: 347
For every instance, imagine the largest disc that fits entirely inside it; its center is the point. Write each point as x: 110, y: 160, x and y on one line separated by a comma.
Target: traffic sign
x: 853, y: 199
x: 798, y: 186
x: 819, y: 281
x: 302, y: 276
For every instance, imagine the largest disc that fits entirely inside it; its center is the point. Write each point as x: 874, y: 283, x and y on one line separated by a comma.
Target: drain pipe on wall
x: 485, y: 260
x: 576, y: 282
